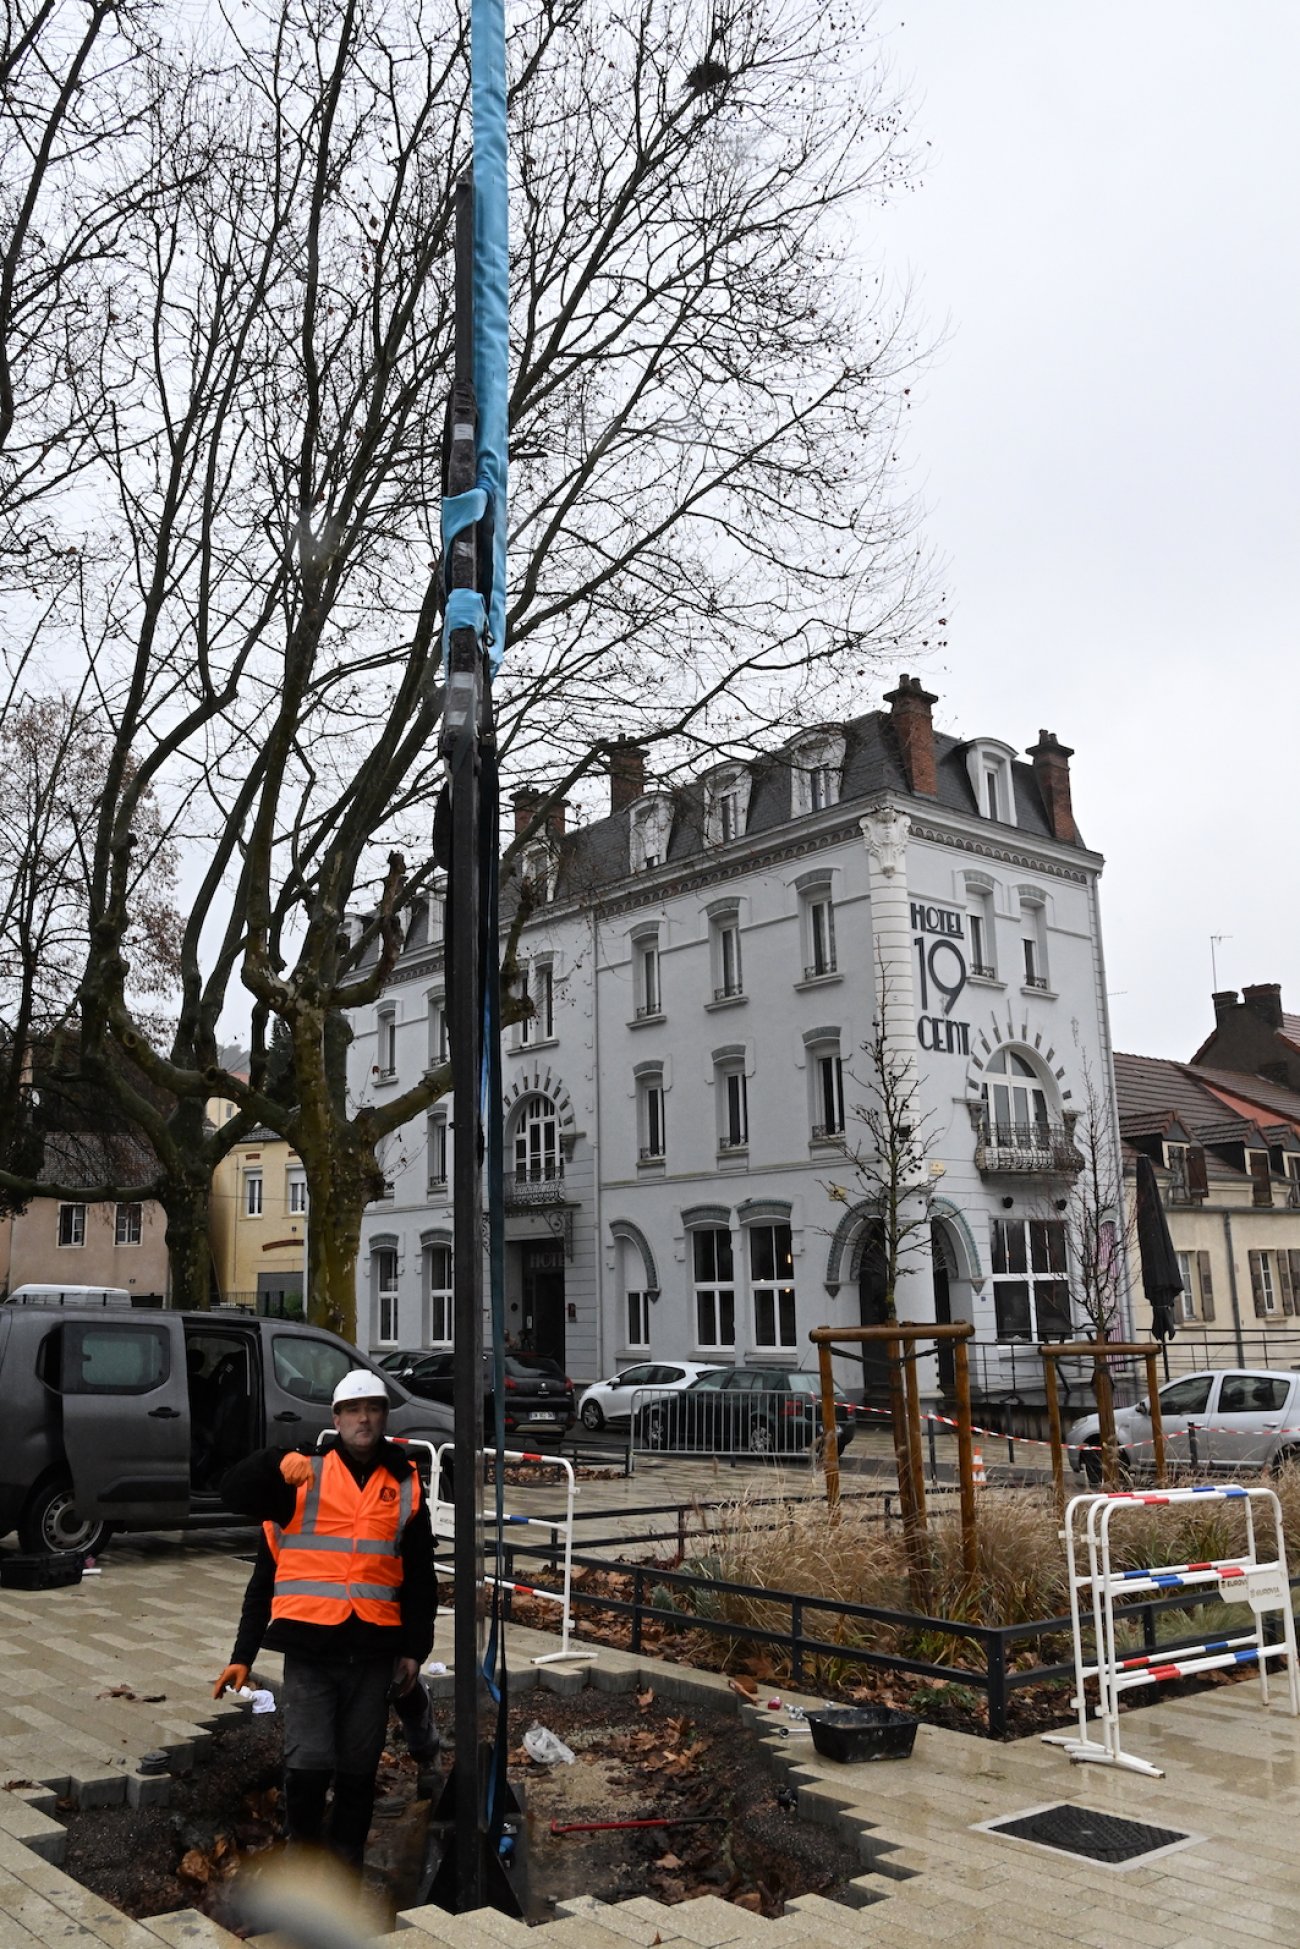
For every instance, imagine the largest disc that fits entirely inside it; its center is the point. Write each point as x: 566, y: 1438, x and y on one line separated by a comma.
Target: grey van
x: 130, y: 1419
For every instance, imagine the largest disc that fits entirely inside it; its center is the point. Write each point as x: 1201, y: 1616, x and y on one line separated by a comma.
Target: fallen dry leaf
x: 668, y: 1861
x: 116, y: 1692
x: 751, y: 1900
x: 646, y: 1699
x: 195, y: 1866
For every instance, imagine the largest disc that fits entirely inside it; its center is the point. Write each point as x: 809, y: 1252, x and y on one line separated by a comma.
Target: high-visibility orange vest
x: 341, y: 1552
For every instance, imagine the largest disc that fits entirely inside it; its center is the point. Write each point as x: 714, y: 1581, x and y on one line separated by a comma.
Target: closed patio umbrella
x: 1161, y: 1280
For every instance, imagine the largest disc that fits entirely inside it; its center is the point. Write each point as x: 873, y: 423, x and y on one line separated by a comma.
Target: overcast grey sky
x: 1107, y: 444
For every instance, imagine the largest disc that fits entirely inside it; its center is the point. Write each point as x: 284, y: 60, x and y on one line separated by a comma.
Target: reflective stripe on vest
x: 336, y: 1517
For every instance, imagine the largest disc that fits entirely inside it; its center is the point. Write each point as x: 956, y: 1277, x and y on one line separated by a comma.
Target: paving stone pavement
x: 159, y: 1621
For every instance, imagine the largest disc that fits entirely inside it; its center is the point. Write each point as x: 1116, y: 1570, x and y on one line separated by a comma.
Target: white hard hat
x: 360, y: 1385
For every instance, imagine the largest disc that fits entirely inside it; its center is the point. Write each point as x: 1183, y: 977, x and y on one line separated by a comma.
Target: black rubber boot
x: 304, y: 1805
x: 354, y: 1803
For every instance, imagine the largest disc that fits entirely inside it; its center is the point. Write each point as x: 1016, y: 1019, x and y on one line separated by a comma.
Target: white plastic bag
x: 544, y: 1746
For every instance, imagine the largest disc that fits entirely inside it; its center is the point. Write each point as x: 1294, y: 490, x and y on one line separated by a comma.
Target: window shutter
x: 1197, y: 1181
x: 1293, y: 1261
x: 1207, y: 1283
x: 1286, y: 1282
x: 1260, y: 1177
x: 1257, y: 1283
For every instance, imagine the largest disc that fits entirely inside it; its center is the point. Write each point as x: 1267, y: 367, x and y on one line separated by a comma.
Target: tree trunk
x: 341, y: 1182
x: 189, y: 1246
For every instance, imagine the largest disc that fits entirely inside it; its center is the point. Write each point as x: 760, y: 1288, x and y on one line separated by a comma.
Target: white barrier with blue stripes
x: 441, y: 1515
x: 1245, y: 1579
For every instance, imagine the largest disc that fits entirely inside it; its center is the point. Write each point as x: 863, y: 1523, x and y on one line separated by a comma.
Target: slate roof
x: 1152, y: 1089
x: 598, y: 855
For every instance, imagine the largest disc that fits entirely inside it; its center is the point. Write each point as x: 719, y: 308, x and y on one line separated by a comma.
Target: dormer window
x: 816, y: 768
x: 726, y: 805
x: 537, y: 871
x: 988, y: 766
x: 650, y: 824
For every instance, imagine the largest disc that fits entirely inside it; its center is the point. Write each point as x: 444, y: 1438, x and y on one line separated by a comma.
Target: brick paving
x: 159, y: 1622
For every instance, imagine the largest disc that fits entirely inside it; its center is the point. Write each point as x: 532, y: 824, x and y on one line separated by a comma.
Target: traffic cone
x: 977, y: 1474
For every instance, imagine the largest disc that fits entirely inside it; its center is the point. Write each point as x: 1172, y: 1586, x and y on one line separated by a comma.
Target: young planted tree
x: 707, y: 530
x: 1098, y: 1227
x: 888, y: 1162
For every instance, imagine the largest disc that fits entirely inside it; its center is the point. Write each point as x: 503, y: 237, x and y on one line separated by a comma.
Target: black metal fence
x: 811, y: 1641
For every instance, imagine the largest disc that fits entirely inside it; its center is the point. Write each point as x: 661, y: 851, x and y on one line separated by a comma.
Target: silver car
x: 1234, y: 1418
x: 614, y: 1399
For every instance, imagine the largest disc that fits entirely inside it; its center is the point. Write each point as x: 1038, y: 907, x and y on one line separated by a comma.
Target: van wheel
x: 52, y: 1522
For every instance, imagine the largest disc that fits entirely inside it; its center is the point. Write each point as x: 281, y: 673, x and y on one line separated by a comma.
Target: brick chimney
x: 909, y: 709
x: 525, y: 801
x: 626, y: 773
x: 1264, y: 998
x: 1225, y: 1001
x: 555, y: 818
x: 1052, y: 770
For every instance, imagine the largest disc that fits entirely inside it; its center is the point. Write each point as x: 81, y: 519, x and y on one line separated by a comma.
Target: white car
x: 1242, y: 1420
x: 613, y: 1400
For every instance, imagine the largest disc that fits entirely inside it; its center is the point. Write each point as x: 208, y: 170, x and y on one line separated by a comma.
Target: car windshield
x: 531, y: 1367
x: 803, y: 1383
x: 714, y: 1378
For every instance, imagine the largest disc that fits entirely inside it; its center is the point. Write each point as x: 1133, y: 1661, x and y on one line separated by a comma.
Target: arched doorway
x: 943, y: 1261
x: 872, y: 1271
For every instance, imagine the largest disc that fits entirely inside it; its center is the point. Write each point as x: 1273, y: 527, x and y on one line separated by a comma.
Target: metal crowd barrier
x: 753, y: 1423
x: 442, y: 1517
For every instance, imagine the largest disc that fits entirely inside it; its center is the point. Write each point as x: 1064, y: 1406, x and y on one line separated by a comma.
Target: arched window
x: 1017, y: 1109
x: 537, y: 1142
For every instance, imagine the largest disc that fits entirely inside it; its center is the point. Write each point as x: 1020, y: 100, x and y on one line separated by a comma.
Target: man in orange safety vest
x: 344, y: 1586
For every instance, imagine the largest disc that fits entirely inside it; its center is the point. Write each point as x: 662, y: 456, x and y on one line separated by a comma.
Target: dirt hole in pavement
x: 637, y: 1757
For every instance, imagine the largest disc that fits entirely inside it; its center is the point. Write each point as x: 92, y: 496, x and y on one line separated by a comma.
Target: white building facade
x: 704, y: 976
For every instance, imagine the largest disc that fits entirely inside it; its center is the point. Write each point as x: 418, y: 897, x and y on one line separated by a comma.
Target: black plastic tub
x: 41, y: 1572
x: 853, y: 1733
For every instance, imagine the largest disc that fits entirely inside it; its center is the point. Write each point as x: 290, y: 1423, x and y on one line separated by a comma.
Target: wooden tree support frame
x: 1101, y: 1352
x: 899, y: 1338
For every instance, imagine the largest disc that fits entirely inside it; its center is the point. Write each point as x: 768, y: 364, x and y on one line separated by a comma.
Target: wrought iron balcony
x: 534, y: 1185
x: 1026, y: 1149
x: 730, y: 991
x: 1035, y: 981
x: 983, y: 972
x: 827, y: 1133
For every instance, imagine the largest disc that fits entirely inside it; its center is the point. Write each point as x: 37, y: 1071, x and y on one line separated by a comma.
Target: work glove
x: 235, y: 1676
x: 296, y: 1469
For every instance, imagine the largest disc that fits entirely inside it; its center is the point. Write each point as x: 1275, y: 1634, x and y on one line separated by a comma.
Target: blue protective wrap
x: 491, y: 291
x: 465, y: 610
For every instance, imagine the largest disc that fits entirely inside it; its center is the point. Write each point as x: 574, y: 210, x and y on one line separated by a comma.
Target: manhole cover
x: 1104, y: 1838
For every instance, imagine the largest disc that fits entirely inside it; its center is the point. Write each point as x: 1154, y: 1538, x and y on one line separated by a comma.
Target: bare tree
x: 79, y: 82
x: 1099, y: 1227
x: 706, y: 524
x: 52, y: 759
x: 888, y: 1164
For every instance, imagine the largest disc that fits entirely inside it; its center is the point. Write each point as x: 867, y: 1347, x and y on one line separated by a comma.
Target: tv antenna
x: 1215, y: 940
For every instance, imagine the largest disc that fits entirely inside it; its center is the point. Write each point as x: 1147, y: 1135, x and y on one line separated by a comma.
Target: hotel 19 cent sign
x: 939, y: 940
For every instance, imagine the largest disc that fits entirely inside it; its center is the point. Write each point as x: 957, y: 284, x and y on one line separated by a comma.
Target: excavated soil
x: 733, y: 1830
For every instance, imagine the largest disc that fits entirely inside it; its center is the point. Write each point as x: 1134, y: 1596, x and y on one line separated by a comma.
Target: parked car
x: 765, y: 1410
x: 1244, y: 1419
x: 130, y: 1419
x: 538, y: 1393
x: 615, y: 1399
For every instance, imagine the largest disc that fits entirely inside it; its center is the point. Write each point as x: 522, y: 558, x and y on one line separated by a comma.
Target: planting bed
x: 637, y: 1757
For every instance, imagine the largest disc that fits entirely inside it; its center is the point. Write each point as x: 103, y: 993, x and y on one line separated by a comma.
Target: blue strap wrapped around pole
x: 491, y: 293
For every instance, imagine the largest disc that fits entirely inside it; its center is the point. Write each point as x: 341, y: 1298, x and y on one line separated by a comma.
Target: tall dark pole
x: 462, y: 750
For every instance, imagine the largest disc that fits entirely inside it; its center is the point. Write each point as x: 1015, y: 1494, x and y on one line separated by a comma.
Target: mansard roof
x: 597, y: 855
